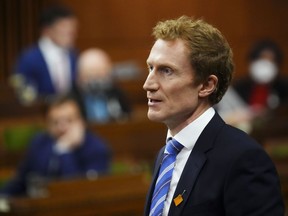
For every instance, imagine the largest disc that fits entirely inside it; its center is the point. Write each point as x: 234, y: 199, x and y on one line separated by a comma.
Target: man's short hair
x: 53, y: 13
x: 59, y: 100
x: 210, y: 52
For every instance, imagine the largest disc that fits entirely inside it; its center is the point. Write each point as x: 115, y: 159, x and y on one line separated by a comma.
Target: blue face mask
x: 97, y: 86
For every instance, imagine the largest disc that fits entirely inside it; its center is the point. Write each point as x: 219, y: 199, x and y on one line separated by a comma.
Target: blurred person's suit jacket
x: 227, y: 173
x: 32, y: 65
x: 279, y: 88
x: 42, y: 161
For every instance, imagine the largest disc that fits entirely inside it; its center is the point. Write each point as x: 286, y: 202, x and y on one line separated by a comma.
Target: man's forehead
x: 162, y: 50
x: 66, y: 107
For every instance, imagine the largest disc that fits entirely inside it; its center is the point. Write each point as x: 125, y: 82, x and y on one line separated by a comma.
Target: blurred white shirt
x: 59, y: 67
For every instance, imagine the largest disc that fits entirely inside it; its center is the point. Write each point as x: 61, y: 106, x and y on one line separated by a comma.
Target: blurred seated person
x: 67, y: 149
x: 263, y: 89
x: 101, y: 99
x: 235, y: 111
x: 49, y: 66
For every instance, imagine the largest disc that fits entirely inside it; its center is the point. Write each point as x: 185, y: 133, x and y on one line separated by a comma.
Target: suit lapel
x: 195, y: 163
x: 188, y: 178
x: 72, y: 61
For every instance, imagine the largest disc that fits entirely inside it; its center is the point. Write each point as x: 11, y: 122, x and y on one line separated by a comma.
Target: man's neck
x: 190, y: 118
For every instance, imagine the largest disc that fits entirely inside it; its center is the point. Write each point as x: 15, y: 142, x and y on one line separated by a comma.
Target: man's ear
x: 209, y: 86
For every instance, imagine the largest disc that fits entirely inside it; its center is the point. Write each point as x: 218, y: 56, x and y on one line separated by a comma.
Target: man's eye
x: 150, y: 68
x: 166, y: 70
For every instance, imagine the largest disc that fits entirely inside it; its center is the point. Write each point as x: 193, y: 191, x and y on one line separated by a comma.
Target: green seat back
x: 17, y: 138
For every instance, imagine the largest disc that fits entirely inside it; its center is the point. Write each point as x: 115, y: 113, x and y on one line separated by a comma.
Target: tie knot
x: 173, y: 147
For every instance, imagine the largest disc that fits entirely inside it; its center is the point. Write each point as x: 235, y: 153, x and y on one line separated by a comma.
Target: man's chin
x: 154, y: 117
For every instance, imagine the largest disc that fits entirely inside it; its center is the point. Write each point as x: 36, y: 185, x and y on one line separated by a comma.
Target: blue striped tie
x: 164, y: 178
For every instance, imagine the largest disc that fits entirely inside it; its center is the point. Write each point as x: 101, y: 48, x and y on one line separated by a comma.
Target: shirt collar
x: 48, y: 45
x: 189, y: 135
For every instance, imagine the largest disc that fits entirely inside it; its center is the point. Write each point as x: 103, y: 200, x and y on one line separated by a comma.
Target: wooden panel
x: 137, y: 140
x: 19, y: 28
x: 12, y: 108
x: 111, y: 195
x: 123, y: 28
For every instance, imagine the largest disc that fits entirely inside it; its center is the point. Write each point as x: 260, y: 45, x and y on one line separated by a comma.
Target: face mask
x: 263, y: 71
x: 97, y: 86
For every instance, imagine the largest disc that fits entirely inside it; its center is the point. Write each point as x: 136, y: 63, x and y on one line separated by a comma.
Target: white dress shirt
x: 57, y: 60
x: 187, y: 137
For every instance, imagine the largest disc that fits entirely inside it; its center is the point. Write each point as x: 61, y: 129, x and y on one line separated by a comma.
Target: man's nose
x: 150, y: 82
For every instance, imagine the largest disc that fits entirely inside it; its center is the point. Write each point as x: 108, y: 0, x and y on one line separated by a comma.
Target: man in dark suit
x: 220, y: 170
x: 66, y: 150
x: 49, y: 67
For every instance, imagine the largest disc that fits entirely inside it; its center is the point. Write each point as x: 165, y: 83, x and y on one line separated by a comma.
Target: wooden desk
x: 138, y: 140
x: 277, y: 148
x: 111, y: 195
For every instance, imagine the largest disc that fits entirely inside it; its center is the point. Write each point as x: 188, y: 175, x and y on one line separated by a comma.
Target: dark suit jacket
x: 279, y: 88
x: 227, y: 173
x: 31, y: 64
x: 93, y: 154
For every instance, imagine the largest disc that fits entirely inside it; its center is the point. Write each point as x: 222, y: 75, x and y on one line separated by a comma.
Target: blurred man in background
x: 100, y: 98
x: 67, y: 149
x: 48, y: 67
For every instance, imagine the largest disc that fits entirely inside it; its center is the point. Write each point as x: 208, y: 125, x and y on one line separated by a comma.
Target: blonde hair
x: 209, y: 51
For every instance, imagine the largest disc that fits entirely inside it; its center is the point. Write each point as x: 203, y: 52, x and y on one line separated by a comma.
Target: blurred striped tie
x: 164, y: 178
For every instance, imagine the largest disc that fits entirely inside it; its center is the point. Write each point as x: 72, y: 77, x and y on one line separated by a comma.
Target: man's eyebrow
x: 161, y: 65
x: 166, y: 65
